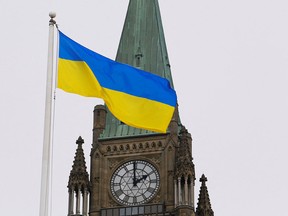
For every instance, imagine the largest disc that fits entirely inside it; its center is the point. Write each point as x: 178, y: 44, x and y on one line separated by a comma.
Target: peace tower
x: 135, y: 171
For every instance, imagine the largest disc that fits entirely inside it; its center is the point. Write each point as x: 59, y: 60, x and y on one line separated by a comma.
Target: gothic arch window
x: 115, y: 148
x: 121, y: 148
x: 108, y: 148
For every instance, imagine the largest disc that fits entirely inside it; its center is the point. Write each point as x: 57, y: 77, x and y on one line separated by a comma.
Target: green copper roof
x: 142, y: 42
x: 142, y: 45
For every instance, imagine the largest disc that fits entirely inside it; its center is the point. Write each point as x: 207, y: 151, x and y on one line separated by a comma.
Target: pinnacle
x: 78, y: 176
x: 203, y: 179
x: 204, y: 205
x: 79, y: 140
x: 184, y: 164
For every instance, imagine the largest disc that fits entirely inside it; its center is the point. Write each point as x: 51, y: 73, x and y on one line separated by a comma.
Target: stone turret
x: 99, y: 121
x: 184, y: 175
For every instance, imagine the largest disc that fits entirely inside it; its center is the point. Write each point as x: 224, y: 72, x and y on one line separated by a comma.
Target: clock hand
x: 138, y: 180
x: 134, y: 174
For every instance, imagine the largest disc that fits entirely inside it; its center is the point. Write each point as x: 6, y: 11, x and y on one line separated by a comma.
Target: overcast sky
x: 229, y: 62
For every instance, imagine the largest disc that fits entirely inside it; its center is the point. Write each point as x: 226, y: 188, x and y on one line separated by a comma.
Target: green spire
x: 142, y: 45
x: 142, y: 42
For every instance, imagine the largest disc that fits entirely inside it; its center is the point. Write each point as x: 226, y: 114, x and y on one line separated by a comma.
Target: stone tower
x: 135, y: 171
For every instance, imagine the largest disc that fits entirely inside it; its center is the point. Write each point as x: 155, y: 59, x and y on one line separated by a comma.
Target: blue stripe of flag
x: 117, y: 76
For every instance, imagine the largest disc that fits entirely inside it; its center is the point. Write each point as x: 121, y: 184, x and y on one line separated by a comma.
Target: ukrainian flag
x: 137, y: 98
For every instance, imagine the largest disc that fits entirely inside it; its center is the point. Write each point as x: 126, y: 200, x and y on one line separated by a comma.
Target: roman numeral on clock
x: 118, y: 192
x: 154, y: 181
x: 150, y: 189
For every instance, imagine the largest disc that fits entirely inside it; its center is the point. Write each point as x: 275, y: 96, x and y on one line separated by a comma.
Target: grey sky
x: 229, y: 62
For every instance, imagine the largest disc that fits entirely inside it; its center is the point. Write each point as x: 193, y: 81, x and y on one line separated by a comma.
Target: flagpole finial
x: 52, y: 15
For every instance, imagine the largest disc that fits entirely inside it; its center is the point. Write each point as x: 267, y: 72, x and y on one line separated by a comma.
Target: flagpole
x: 46, y: 155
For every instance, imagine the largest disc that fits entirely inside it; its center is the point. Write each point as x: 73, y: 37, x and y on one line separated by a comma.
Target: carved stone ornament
x: 156, y: 160
x: 113, y: 163
x: 133, y: 147
x: 111, y: 202
x: 97, y: 179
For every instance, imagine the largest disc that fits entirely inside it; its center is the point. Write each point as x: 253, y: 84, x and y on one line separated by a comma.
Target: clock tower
x: 135, y: 171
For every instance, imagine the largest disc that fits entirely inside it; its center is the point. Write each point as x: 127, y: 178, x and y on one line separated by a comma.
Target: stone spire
x: 204, y: 205
x: 79, y: 177
x: 78, y: 183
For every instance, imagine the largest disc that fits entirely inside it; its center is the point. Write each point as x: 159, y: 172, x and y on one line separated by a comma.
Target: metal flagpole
x: 46, y: 155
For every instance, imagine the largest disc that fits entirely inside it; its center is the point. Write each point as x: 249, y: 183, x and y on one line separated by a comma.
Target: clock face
x: 135, y: 182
